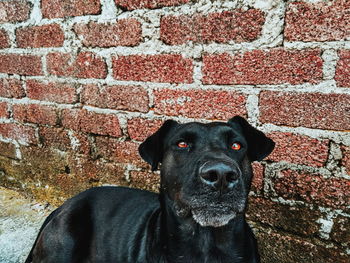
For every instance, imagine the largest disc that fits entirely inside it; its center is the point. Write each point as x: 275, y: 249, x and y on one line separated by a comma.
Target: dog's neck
x: 183, y: 232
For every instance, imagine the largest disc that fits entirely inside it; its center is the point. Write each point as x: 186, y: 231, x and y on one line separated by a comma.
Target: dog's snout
x: 219, y: 175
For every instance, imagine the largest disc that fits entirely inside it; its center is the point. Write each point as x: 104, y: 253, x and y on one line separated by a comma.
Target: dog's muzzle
x: 220, y: 175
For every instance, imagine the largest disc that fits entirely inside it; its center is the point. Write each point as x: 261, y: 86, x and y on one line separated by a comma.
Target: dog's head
x: 205, y: 168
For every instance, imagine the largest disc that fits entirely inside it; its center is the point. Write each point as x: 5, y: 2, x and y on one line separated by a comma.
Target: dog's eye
x: 236, y: 146
x: 182, y: 144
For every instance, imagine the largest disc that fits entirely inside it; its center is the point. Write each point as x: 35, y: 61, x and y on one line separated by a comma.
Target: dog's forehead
x: 207, y: 128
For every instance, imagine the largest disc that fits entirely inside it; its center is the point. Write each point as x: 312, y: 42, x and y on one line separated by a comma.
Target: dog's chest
x: 204, y: 248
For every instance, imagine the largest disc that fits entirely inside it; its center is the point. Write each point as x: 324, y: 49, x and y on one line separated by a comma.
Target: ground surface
x: 20, y: 220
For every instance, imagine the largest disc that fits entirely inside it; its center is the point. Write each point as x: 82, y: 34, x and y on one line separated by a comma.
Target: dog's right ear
x: 152, y: 149
x: 259, y: 146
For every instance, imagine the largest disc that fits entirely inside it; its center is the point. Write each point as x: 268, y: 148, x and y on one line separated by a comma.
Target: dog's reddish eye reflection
x: 236, y: 146
x: 182, y: 145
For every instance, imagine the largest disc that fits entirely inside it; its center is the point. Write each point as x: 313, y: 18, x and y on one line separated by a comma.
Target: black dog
x: 197, y: 217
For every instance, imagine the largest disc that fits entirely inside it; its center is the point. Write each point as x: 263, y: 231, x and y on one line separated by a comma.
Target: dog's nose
x: 219, y: 175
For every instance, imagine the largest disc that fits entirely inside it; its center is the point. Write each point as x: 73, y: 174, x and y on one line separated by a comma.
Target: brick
x: 98, y: 172
x: 341, y: 229
x: 207, y: 104
x: 154, y: 68
x: 8, y: 150
x: 80, y: 143
x: 130, y: 98
x: 84, y: 65
x: 283, y: 248
x: 65, y: 8
x: 51, y: 91
x: 91, y: 122
x: 11, y: 88
x: 275, y: 66
x: 21, y: 133
x: 343, y: 69
x: 62, y: 139
x: 51, y: 168
x: 299, y: 149
x: 124, y: 152
x: 312, y: 110
x: 4, y: 111
x: 14, y: 11
x: 125, y: 32
x: 145, y: 180
x: 40, y: 36
x: 346, y: 158
x: 110, y: 173
x: 258, y: 177
x: 56, y: 138
x: 313, y: 188
x: 139, y: 4
x: 239, y: 25
x: 322, y: 21
x: 4, y: 39
x: 35, y: 113
x: 139, y: 129
x: 20, y: 64
x: 294, y: 219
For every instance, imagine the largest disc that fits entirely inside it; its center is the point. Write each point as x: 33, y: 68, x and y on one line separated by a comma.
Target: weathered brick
x: 4, y: 39
x: 299, y: 149
x: 21, y: 133
x: 139, y: 4
x: 51, y: 91
x: 62, y: 139
x: 125, y: 152
x: 64, y: 8
x: 14, y: 11
x: 346, y: 158
x: 341, y: 229
x: 294, y: 219
x: 40, y: 36
x: 92, y: 122
x: 110, y: 173
x: 171, y: 68
x: 145, y: 180
x: 57, y: 138
x: 20, y: 64
x: 343, y: 69
x: 275, y: 66
x: 84, y: 65
x: 11, y: 88
x: 80, y: 143
x: 239, y: 25
x: 313, y: 188
x: 258, y: 177
x: 125, y: 32
x: 321, y: 21
x: 313, y: 110
x: 139, y: 129
x: 8, y: 150
x: 4, y: 111
x: 98, y: 172
x: 207, y: 104
x: 35, y: 113
x: 282, y: 248
x: 131, y: 98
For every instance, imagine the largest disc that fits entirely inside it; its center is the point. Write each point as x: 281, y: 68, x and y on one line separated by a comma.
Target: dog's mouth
x: 209, y: 211
x: 212, y: 216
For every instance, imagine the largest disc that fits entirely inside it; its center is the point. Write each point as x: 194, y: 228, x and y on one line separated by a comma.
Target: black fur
x: 197, y: 217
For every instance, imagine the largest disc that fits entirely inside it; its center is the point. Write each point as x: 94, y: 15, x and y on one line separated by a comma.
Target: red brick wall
x: 83, y: 82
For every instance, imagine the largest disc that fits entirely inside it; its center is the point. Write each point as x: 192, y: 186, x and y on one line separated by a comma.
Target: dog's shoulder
x: 114, y: 196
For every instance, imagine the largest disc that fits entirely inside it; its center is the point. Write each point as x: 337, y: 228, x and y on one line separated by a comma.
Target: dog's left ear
x: 259, y: 146
x: 152, y: 149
